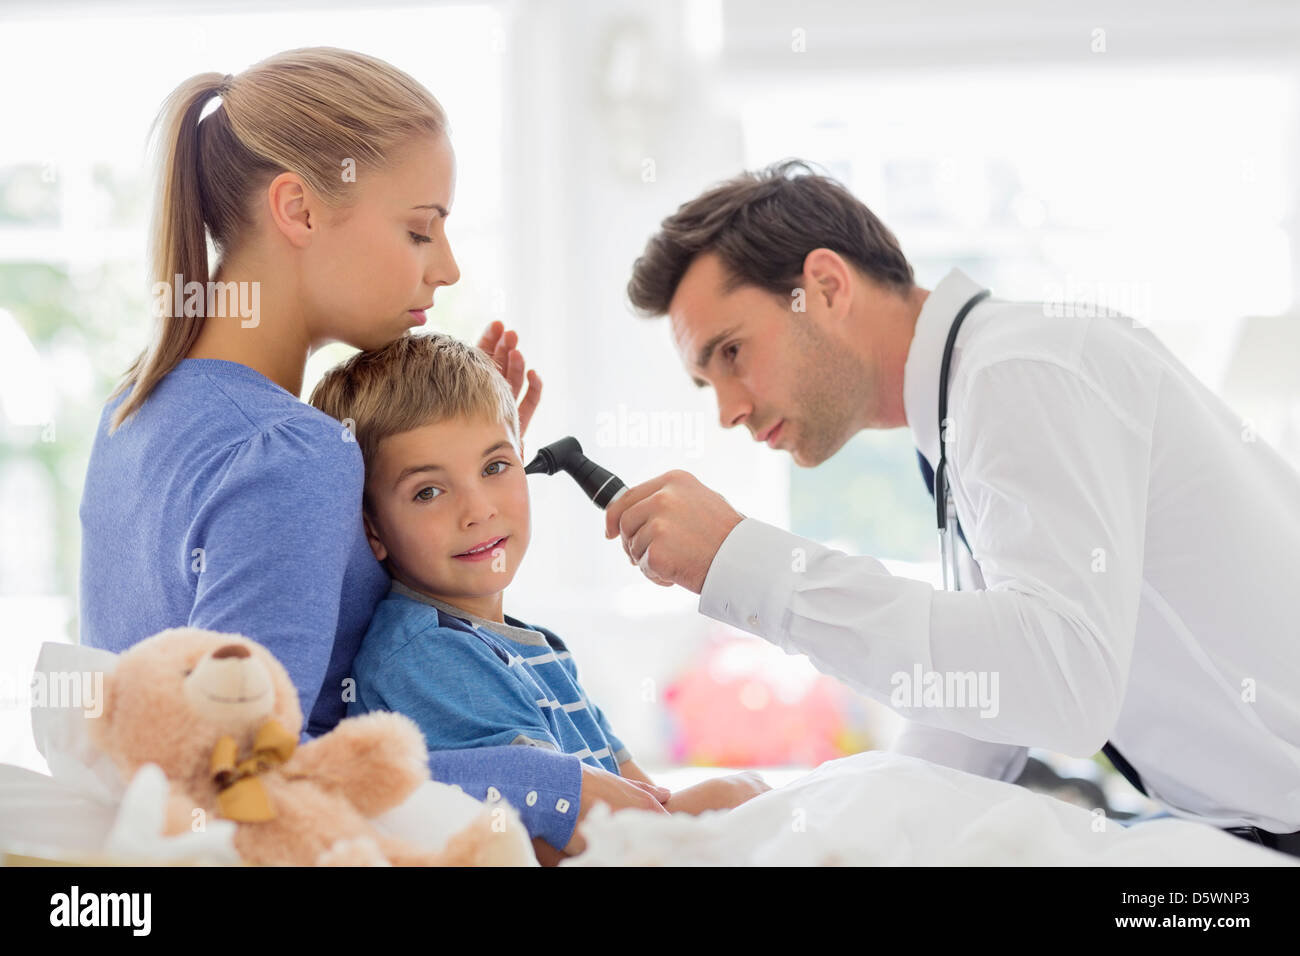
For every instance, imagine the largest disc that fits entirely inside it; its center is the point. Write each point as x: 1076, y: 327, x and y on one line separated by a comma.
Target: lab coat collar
x: 925, y: 356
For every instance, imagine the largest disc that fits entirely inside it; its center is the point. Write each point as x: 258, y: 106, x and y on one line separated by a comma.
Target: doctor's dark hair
x: 309, y: 111
x: 762, y: 225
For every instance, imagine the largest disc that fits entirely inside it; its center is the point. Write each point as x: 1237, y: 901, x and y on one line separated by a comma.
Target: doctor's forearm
x: 1057, y: 683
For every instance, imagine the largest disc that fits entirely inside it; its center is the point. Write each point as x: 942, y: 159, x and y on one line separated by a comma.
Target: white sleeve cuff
x: 750, y: 581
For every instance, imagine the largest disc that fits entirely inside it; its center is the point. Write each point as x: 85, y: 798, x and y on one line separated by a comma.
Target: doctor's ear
x: 829, y: 279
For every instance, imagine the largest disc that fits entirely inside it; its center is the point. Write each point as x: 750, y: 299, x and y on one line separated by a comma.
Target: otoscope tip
x: 601, y: 485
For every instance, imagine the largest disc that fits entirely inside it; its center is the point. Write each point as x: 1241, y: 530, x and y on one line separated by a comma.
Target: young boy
x: 446, y: 510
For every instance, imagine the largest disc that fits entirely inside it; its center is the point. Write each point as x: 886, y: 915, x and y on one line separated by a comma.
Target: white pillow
x: 60, y: 727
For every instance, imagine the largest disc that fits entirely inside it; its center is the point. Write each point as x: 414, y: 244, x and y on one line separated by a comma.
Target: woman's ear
x: 292, y: 208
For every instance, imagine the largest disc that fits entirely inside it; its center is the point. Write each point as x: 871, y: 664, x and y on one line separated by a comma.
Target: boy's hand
x: 720, y: 793
x: 601, y: 786
x: 546, y: 854
x: 500, y: 345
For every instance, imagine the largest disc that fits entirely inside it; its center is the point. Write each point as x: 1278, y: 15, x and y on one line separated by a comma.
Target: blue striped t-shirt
x: 470, y: 682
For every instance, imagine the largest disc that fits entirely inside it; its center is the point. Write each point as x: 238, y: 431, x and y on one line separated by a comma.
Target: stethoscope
x: 945, y: 510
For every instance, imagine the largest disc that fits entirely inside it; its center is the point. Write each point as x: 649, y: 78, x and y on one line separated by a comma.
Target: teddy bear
x: 220, y: 716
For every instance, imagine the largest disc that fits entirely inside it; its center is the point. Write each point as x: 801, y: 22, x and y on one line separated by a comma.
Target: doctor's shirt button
x: 753, y: 620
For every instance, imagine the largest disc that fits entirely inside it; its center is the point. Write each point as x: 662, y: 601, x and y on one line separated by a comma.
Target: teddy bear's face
x: 230, y: 687
x: 173, y: 695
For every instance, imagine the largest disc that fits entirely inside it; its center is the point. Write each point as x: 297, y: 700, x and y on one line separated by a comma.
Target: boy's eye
x: 417, y: 238
x: 429, y: 492
x: 732, y: 350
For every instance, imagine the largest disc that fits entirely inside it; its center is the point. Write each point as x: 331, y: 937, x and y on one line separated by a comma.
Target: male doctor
x: 1130, y: 550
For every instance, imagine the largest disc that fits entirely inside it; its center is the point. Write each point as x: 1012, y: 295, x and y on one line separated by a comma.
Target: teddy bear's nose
x: 231, y: 650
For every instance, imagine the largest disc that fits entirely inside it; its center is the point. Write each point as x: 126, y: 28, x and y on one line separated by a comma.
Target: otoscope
x: 601, y: 485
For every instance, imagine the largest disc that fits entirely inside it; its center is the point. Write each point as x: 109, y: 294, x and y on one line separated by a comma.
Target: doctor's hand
x: 500, y: 345
x: 672, y: 526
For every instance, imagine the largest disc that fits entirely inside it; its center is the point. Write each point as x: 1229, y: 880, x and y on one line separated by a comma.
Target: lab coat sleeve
x: 1050, y: 484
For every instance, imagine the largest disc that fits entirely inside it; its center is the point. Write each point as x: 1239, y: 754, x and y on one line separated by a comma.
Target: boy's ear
x: 376, y: 546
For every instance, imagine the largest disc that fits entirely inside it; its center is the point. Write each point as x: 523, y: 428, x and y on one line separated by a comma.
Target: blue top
x: 226, y: 503
x: 471, y: 682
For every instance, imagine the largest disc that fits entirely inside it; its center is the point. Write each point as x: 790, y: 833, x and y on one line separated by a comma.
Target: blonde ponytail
x: 308, y: 111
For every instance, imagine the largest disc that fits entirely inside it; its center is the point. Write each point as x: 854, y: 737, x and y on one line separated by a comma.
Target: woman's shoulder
x: 249, y: 405
x: 212, y: 396
x: 220, y: 421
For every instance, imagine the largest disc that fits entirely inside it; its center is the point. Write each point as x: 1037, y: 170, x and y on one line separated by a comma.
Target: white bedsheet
x: 875, y: 808
x: 880, y: 808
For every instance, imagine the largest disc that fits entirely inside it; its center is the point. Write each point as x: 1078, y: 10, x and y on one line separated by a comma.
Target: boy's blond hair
x: 413, y: 381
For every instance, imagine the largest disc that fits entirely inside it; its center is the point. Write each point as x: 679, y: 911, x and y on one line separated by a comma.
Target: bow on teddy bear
x: 192, y: 701
x: 240, y: 794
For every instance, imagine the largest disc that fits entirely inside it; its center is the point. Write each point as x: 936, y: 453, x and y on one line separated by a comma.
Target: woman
x: 214, y: 497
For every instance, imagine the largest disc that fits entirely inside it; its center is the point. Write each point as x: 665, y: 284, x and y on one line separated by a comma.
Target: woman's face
x: 375, y: 261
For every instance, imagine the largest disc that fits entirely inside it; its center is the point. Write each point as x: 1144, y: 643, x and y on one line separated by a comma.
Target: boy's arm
x: 466, y: 701
x: 472, y: 710
x: 630, y: 770
x: 720, y: 793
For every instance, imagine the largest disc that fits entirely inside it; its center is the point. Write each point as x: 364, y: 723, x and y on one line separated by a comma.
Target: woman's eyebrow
x: 442, y: 210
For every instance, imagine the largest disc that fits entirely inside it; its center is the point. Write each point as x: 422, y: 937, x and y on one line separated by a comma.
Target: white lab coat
x: 1139, y: 555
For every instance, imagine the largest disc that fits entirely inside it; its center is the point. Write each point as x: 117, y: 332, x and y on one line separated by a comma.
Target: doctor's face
x: 784, y: 375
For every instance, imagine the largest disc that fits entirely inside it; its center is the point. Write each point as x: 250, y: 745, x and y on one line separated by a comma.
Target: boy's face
x: 441, y: 490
